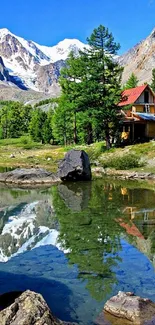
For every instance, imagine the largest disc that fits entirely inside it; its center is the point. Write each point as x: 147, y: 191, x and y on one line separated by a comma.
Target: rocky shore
x: 122, y: 174
x: 74, y: 167
x: 29, y: 309
x: 32, y: 176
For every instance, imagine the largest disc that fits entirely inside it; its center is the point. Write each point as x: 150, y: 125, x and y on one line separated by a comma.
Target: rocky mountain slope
x: 140, y: 60
x: 33, y: 66
x: 4, y: 74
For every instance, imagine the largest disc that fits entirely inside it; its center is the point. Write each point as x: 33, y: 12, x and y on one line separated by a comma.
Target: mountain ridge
x: 30, y: 70
x: 25, y: 60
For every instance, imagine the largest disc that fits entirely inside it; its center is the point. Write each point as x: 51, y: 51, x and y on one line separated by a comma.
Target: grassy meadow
x: 23, y: 152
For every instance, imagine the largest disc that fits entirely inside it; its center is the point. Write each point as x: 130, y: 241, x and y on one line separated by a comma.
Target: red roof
x: 131, y: 229
x: 129, y: 96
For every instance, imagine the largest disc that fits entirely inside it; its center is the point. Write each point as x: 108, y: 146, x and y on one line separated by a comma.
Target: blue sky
x: 49, y: 21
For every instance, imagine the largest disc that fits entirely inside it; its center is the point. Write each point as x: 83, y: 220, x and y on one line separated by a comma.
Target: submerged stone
x: 125, y: 305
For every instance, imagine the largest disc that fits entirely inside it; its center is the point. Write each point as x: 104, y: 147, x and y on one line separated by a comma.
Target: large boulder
x: 29, y: 309
x: 139, y: 311
x: 75, y: 166
x: 28, y: 176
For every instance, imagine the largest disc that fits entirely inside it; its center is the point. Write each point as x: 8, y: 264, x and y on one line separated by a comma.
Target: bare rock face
x: 47, y: 77
x: 126, y: 305
x: 75, y: 166
x: 29, y: 309
x: 140, y: 59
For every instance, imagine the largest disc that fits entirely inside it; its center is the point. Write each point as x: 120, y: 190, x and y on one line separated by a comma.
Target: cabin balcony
x: 145, y: 108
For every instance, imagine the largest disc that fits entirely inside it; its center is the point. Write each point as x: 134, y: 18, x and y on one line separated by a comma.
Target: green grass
x: 28, y: 153
x: 24, y: 142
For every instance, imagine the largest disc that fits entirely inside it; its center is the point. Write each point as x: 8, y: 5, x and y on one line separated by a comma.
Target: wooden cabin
x: 137, y: 107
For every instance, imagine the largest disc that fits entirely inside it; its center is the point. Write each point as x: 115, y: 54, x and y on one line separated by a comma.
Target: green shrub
x: 125, y: 162
x: 94, y: 151
x: 25, y: 139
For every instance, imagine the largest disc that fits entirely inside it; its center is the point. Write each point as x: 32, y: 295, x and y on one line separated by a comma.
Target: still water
x: 78, y: 244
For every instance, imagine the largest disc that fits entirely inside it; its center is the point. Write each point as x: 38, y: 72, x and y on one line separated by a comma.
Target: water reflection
x: 91, y: 236
x: 95, y: 224
x: 76, y: 196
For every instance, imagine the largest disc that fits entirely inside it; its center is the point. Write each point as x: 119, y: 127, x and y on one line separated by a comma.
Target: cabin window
x: 146, y: 108
x: 146, y: 97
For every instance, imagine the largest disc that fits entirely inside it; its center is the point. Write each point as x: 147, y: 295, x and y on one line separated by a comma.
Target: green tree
x: 14, y: 119
x: 70, y: 82
x: 4, y: 122
x: 132, y: 82
x: 91, y: 83
x: 153, y: 80
x: 40, y: 127
x: 62, y: 121
x: 47, y: 127
x: 36, y: 124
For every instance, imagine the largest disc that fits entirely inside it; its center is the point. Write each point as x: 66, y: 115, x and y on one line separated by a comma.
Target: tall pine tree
x: 91, y: 84
x: 153, y: 80
x: 132, y: 82
x: 103, y: 80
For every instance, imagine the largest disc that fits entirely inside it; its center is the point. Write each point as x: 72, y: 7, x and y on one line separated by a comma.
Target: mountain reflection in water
x: 104, y: 230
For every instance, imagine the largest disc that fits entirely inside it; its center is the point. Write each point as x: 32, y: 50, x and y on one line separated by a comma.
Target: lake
x: 78, y: 244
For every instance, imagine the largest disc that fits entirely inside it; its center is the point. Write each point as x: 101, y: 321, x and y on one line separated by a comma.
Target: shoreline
x: 52, y: 178
x: 122, y: 174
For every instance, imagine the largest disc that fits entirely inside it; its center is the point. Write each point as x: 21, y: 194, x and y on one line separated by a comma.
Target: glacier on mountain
x: 24, y: 59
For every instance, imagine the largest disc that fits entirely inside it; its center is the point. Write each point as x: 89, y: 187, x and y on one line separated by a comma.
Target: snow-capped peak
x: 25, y: 60
x: 62, y: 49
x: 4, y: 31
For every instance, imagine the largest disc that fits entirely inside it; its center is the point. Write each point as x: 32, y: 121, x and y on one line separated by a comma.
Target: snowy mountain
x: 62, y: 49
x: 34, y: 66
x: 26, y: 65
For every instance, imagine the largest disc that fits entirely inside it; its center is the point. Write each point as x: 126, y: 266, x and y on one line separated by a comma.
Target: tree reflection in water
x: 89, y: 232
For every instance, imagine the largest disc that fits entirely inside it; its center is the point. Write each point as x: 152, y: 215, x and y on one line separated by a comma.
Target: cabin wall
x: 150, y: 130
x: 141, y: 130
x: 141, y: 98
x: 140, y: 109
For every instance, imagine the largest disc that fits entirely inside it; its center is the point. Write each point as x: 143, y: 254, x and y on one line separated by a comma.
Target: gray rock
x: 12, y: 156
x: 75, y: 166
x: 29, y: 309
x: 126, y: 305
x: 28, y: 176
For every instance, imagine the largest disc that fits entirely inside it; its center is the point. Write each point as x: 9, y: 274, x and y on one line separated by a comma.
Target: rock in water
x: 75, y: 166
x: 29, y: 309
x: 139, y: 311
x: 28, y: 176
